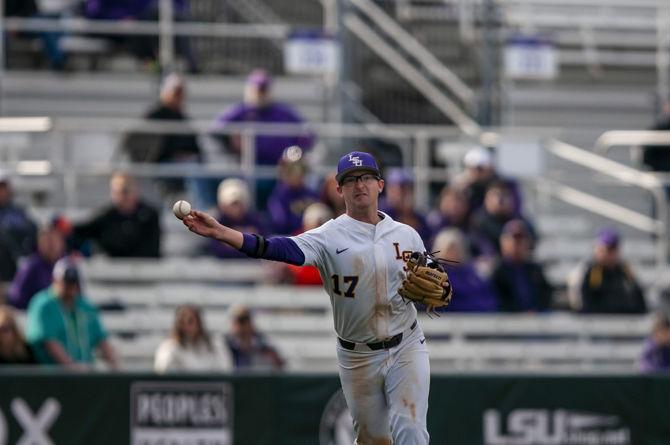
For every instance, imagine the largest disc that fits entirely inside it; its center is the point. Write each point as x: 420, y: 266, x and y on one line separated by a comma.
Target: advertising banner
x: 66, y: 408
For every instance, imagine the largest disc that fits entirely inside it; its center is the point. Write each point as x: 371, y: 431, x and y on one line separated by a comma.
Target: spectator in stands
x: 453, y: 210
x: 488, y: 221
x: 36, y: 271
x: 63, y: 326
x: 656, y: 352
x: 291, y: 196
x: 17, y: 231
x: 234, y: 210
x: 606, y: 283
x: 330, y: 197
x: 399, y: 202
x: 315, y: 215
x: 144, y: 47
x: 479, y: 174
x: 13, y: 348
x: 657, y: 157
x: 472, y: 292
x: 177, y: 148
x: 519, y: 281
x: 250, y: 350
x: 260, y: 107
x: 190, y: 347
x: 128, y: 227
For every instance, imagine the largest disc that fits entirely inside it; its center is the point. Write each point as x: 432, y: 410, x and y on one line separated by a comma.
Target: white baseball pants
x: 387, y: 391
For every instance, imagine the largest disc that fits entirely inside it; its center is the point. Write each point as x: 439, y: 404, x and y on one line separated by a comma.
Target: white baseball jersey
x: 362, y: 267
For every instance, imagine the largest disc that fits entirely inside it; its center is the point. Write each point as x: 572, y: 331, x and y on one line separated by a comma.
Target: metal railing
x: 413, y: 141
x: 637, y: 33
x: 624, y: 174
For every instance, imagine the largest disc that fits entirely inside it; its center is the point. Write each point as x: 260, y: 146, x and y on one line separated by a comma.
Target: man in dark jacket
x: 519, y: 281
x: 172, y: 148
x: 126, y: 228
x: 608, y: 285
x: 178, y: 147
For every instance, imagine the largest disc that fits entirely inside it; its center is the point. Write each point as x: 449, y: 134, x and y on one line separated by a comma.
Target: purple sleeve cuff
x: 249, y: 244
x: 277, y: 248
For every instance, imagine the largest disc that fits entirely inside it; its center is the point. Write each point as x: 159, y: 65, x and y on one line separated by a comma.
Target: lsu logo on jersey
x: 403, y: 256
x: 355, y: 160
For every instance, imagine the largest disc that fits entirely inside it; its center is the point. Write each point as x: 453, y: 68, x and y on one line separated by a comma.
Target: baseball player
x: 362, y: 258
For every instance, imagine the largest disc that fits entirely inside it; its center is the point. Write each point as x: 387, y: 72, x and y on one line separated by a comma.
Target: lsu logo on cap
x: 355, y: 160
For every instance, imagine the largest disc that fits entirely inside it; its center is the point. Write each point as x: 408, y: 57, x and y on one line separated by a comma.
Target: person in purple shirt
x: 472, y: 292
x: 656, y: 352
x: 259, y: 106
x: 399, y: 202
x: 291, y: 196
x: 234, y: 202
x: 35, y: 272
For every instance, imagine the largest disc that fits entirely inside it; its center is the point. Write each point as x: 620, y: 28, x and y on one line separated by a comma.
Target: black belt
x: 385, y: 344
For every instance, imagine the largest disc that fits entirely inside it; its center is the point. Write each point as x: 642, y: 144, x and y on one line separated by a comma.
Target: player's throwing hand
x: 203, y: 224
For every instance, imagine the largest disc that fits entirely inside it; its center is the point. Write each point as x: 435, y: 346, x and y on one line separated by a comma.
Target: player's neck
x: 370, y: 216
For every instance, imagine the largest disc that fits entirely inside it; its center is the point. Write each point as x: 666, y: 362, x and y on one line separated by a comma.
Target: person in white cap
x: 480, y: 172
x: 234, y: 210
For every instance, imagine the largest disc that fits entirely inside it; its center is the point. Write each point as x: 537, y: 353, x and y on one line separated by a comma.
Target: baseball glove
x: 426, y: 283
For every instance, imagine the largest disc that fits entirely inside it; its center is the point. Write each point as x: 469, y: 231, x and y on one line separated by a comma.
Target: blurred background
x: 526, y: 139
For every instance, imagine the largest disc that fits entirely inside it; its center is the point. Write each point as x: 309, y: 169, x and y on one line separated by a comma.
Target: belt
x: 385, y: 344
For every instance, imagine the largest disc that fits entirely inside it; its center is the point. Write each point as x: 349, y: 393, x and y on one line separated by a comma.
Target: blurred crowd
x: 477, y: 226
x: 143, y: 47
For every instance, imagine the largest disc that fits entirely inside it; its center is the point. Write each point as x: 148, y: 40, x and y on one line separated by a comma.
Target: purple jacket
x: 472, y: 293
x: 121, y: 9
x: 655, y: 358
x: 33, y: 276
x: 250, y: 223
x: 286, y: 206
x: 268, y: 148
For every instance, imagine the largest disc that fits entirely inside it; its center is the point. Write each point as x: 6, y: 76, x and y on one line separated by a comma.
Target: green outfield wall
x: 43, y: 408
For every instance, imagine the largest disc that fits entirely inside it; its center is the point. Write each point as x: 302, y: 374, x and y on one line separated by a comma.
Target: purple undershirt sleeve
x: 277, y: 248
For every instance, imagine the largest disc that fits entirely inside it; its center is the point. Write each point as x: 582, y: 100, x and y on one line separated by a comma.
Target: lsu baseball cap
x: 356, y: 160
x: 259, y: 78
x: 66, y: 270
x: 609, y: 237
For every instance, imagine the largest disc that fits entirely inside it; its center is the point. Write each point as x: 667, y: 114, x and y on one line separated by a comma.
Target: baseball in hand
x: 181, y: 209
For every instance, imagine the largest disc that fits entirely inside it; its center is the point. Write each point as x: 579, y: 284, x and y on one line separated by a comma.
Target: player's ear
x: 339, y: 190
x: 381, y: 185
